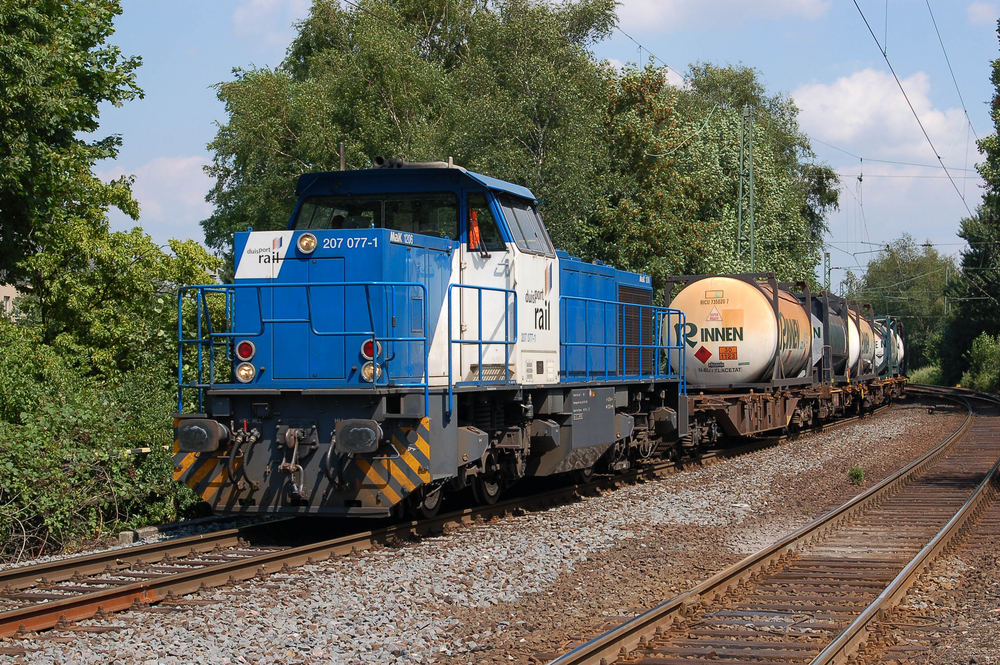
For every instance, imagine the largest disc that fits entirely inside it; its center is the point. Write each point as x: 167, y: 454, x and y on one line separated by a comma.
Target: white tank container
x: 882, y: 339
x: 867, y: 351
x: 853, y: 344
x: 733, y: 336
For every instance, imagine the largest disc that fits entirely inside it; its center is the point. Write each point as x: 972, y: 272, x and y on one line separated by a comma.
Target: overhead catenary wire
x: 913, y: 176
x: 886, y: 161
x: 899, y: 83
x: 950, y: 70
x: 691, y: 136
x: 651, y: 54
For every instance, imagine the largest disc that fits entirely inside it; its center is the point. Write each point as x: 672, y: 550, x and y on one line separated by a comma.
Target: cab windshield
x: 427, y: 214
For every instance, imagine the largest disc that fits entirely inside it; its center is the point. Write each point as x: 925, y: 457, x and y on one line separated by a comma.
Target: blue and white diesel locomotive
x: 414, y: 332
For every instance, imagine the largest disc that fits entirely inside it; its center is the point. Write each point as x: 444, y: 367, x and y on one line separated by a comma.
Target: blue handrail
x: 207, y: 339
x: 508, y: 342
x: 664, y: 349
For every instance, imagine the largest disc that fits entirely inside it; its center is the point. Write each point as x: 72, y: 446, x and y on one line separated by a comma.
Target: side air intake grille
x: 638, y: 330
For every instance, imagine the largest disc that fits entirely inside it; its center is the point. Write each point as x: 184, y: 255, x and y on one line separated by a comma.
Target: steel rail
x: 48, y: 614
x: 855, y: 635
x: 45, y: 615
x: 626, y: 637
x: 20, y: 577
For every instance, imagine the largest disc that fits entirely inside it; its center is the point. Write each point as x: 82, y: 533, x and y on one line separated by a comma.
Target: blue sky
x: 817, y: 51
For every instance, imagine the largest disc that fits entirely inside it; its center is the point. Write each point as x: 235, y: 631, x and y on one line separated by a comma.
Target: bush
x: 928, y: 375
x: 67, y: 473
x: 984, y: 364
x: 856, y: 475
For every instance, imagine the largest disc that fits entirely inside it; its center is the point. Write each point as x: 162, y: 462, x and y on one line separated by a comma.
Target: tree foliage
x: 110, y: 296
x: 66, y: 470
x: 510, y: 88
x: 983, y: 356
x: 55, y: 69
x: 87, y: 367
x: 672, y: 200
x: 977, y: 293
x: 910, y: 282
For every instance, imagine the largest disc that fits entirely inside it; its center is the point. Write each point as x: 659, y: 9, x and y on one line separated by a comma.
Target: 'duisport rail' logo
x: 263, y: 255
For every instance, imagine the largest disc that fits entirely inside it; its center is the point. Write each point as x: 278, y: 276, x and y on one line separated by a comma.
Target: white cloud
x: 171, y: 194
x: 865, y: 113
x: 677, y: 14
x: 268, y: 21
x: 867, y: 109
x: 982, y: 13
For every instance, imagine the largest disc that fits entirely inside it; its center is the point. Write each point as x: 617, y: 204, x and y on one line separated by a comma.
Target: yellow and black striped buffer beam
x: 405, y: 467
x: 205, y: 473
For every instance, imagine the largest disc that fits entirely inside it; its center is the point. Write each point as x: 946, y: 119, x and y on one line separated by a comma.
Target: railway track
x: 909, y: 635
x: 813, y: 596
x: 57, y: 593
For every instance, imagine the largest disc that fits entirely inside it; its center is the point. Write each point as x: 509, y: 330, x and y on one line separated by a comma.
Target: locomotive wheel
x: 486, y: 489
x: 584, y: 475
x: 426, y: 503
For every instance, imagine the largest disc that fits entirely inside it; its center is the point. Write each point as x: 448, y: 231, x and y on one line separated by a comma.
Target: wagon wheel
x: 486, y: 486
x: 425, y: 502
x: 584, y: 475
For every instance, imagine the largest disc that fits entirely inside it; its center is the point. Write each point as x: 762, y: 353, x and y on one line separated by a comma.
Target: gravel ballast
x: 517, y: 589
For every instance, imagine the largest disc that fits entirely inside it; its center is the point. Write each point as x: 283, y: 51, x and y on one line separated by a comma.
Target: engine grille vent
x: 491, y: 372
x: 638, y: 329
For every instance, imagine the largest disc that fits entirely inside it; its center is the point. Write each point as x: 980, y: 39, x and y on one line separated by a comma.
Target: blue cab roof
x: 391, y: 179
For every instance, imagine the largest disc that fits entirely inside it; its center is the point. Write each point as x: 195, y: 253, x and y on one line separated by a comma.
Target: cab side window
x: 526, y: 225
x: 481, y: 217
x: 427, y: 214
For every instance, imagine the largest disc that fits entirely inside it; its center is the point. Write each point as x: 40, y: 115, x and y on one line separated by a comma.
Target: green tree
x: 977, y: 293
x: 351, y: 75
x: 529, y: 101
x: 910, y: 282
x: 621, y: 161
x: 87, y: 374
x: 672, y: 201
x: 111, y: 297
x: 505, y: 87
x: 55, y: 69
x: 659, y: 212
x: 984, y: 364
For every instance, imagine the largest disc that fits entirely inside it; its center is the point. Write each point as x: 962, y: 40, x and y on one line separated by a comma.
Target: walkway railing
x: 663, y: 350
x: 214, y: 347
x: 509, y: 340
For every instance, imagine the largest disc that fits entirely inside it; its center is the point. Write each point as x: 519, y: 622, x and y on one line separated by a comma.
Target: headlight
x: 245, y: 372
x: 245, y: 350
x: 371, y: 372
x: 307, y: 243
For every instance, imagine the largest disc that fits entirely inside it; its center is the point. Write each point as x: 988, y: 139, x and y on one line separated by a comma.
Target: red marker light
x: 371, y: 348
x: 245, y: 350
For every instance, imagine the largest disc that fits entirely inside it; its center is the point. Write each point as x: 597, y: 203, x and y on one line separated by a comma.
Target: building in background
x: 7, y: 296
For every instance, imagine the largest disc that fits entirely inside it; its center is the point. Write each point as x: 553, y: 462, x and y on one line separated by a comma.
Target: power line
x: 884, y: 161
x: 696, y: 133
x: 952, y: 71
x: 651, y: 54
x: 913, y: 111
x: 904, y: 175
